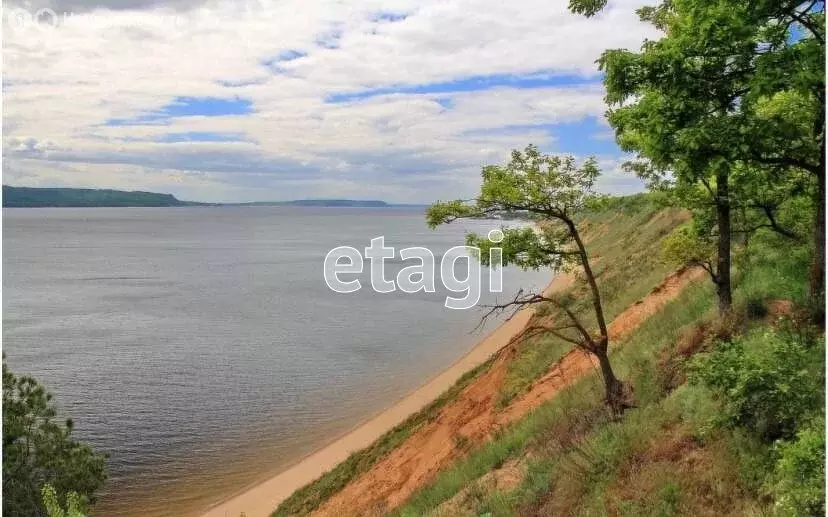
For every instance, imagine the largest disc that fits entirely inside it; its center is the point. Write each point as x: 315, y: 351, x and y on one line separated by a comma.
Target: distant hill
x: 18, y: 197
x: 322, y: 202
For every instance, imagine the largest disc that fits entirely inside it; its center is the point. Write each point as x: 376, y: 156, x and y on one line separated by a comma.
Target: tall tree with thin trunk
x: 732, y: 83
x: 551, y: 190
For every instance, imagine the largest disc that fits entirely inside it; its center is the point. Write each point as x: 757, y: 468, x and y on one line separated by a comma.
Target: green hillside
x: 20, y: 197
x: 728, y: 415
x: 728, y: 420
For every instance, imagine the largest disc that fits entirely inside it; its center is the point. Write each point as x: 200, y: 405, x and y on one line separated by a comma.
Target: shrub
x: 799, y: 478
x: 769, y: 383
x: 688, y: 245
x: 40, y: 451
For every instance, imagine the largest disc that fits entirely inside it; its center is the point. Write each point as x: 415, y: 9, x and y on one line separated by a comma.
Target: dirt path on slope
x: 472, y: 417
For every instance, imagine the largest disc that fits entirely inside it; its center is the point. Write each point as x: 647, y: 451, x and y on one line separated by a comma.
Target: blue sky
x: 297, y: 99
x: 466, y: 84
x: 189, y: 107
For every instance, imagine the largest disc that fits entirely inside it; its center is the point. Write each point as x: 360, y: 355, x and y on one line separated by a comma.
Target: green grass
x: 776, y: 269
x: 621, y: 469
x: 585, y: 397
x: 535, y: 357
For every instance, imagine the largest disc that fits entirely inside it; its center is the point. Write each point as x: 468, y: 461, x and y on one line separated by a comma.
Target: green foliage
x: 669, y: 499
x: 769, y: 382
x: 755, y: 308
x: 587, y: 7
x: 798, y: 483
x: 726, y: 110
x: 535, y: 180
x: 687, y: 247
x: 37, y: 451
x: 447, y: 211
x: 719, y: 85
x: 762, y: 197
x: 552, y: 188
x: 53, y: 507
x: 527, y: 247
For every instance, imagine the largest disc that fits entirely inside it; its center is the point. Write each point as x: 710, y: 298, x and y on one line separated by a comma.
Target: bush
x: 42, y: 464
x: 687, y: 246
x: 799, y: 478
x: 768, y: 382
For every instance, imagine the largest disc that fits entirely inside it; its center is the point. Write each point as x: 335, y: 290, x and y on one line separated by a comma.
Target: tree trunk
x: 593, y: 285
x: 614, y: 394
x: 723, y: 287
x: 818, y: 264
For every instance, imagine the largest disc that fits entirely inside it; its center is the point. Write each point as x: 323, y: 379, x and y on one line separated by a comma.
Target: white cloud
x: 63, y: 84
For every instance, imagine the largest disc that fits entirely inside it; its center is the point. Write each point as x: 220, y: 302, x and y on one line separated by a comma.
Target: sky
x: 293, y: 99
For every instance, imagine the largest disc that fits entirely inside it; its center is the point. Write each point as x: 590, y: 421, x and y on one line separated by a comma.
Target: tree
x: 552, y: 190
x: 733, y: 84
x: 759, y: 198
x: 37, y: 451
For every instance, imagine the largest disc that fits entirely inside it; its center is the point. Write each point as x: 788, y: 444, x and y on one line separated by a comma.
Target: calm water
x: 201, y: 348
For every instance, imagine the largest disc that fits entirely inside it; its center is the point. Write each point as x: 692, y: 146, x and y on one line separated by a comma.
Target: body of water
x: 201, y: 348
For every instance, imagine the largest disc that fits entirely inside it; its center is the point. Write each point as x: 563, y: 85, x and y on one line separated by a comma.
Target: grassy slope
x: 619, y: 267
x: 574, y: 459
x: 623, y: 241
x: 665, y: 457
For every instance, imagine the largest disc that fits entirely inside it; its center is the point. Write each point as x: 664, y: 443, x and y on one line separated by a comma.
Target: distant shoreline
x: 262, y: 498
x: 37, y: 197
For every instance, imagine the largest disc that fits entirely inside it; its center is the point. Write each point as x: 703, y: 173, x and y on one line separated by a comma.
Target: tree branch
x: 788, y: 162
x: 813, y: 28
x: 522, y: 300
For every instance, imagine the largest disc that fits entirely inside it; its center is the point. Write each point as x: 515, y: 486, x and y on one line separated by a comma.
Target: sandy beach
x: 260, y: 500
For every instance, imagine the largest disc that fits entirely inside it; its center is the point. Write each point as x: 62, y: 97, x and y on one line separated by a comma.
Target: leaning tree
x: 551, y: 190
